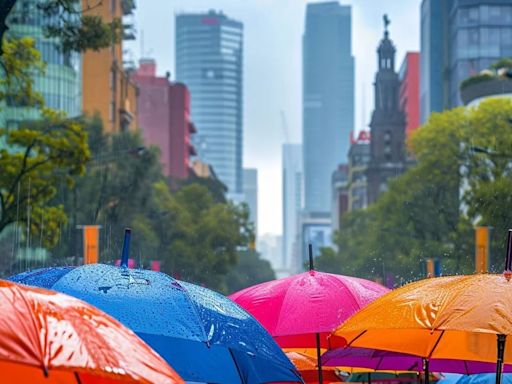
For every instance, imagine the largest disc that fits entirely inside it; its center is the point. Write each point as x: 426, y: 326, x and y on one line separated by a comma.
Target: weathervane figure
x: 386, y: 23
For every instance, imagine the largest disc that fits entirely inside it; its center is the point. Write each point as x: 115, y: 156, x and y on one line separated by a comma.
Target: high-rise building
x: 209, y: 53
x: 292, y: 204
x: 358, y: 160
x: 387, y: 145
x: 409, y: 76
x: 106, y: 87
x: 251, y: 194
x: 60, y: 85
x: 340, y: 197
x: 328, y: 98
x: 459, y: 38
x: 164, y: 118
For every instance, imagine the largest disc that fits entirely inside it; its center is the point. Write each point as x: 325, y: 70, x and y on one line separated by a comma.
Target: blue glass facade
x: 459, y: 38
x: 328, y: 98
x: 209, y: 53
x: 60, y: 84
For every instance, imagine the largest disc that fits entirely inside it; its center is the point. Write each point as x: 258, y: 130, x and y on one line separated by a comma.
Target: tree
x: 430, y: 211
x: 38, y: 155
x: 248, y: 271
x: 74, y: 25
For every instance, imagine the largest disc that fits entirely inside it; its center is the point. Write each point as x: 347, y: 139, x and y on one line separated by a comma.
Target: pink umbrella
x: 300, y: 311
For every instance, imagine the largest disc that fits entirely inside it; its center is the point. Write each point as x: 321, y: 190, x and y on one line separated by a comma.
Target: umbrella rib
x: 466, y: 366
x: 237, y: 367
x: 77, y: 378
x: 435, y: 345
x: 357, y: 337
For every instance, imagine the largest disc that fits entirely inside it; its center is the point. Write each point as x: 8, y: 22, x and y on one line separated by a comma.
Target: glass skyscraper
x: 459, y: 38
x: 60, y: 85
x: 209, y: 53
x: 328, y: 98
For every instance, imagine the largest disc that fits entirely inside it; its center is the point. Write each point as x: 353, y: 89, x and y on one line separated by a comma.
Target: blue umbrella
x: 484, y: 378
x: 203, y: 335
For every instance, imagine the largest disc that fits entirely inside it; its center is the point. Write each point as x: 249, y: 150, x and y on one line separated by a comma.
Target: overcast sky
x: 272, y: 70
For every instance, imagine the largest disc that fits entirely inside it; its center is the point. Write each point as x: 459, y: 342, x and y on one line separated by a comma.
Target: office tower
x: 60, y: 84
x: 292, y: 204
x: 387, y: 145
x: 107, y: 87
x: 358, y: 160
x: 328, y: 98
x: 459, y: 38
x: 209, y: 54
x: 164, y: 118
x: 409, y: 76
x: 251, y: 194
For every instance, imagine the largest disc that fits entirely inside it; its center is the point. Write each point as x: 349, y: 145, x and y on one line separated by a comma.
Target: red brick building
x: 410, y: 91
x: 164, y: 118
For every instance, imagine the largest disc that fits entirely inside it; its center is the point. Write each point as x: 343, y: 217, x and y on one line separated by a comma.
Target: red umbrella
x: 48, y: 337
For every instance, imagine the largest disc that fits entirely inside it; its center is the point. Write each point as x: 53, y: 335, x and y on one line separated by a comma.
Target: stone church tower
x: 387, y: 127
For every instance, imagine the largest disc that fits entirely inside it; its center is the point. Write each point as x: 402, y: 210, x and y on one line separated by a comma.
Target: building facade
x: 164, y: 119
x: 60, y: 85
x: 209, y: 59
x: 409, y: 76
x: 387, y: 127
x: 107, y: 89
x: 328, y: 98
x: 358, y: 160
x: 251, y: 195
x: 340, y: 197
x: 459, y: 38
x: 293, y: 197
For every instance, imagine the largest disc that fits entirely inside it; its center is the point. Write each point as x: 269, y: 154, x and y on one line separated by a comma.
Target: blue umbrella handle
x: 126, y: 248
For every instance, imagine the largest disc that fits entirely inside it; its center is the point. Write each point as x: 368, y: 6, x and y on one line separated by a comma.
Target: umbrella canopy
x: 48, y: 337
x: 385, y: 360
x: 307, y: 367
x: 484, y: 378
x: 455, y: 317
x: 202, y: 334
x: 296, y: 308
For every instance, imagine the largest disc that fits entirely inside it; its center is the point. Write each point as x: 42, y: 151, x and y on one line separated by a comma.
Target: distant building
x: 387, y: 145
x: 60, y: 85
x: 340, y: 195
x: 251, y: 194
x: 497, y: 87
x: 209, y: 59
x: 409, y: 76
x: 328, y: 98
x: 164, y: 118
x: 293, y: 197
x: 358, y: 161
x: 270, y: 247
x: 315, y: 229
x: 459, y: 38
x: 106, y: 87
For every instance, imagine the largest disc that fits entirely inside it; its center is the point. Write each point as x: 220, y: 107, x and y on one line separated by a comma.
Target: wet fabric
x: 295, y: 308
x: 484, y: 378
x: 456, y: 317
x: 202, y: 334
x: 48, y: 337
x: 386, y: 361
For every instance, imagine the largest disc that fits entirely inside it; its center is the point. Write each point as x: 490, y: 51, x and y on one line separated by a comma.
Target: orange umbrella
x: 306, y: 364
x: 457, y: 317
x: 48, y: 337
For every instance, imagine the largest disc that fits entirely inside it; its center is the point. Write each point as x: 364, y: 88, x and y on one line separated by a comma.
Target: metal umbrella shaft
x: 501, y: 355
x: 318, y: 351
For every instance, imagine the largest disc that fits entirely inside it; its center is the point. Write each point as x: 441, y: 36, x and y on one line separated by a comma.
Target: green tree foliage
x: 249, y: 270
x: 430, y: 211
x: 38, y: 155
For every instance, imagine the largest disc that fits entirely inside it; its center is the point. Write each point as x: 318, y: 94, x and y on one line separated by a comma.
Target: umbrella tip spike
x: 311, y: 263
x: 125, y: 254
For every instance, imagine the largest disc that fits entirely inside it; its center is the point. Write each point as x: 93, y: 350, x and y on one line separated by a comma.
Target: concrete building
x: 409, y: 76
x: 328, y: 98
x: 60, y: 85
x: 340, y: 195
x: 315, y: 229
x: 358, y: 160
x: 251, y: 194
x: 293, y: 202
x: 209, y: 59
x: 459, y: 38
x: 270, y: 247
x: 387, y: 145
x: 106, y: 87
x: 164, y: 119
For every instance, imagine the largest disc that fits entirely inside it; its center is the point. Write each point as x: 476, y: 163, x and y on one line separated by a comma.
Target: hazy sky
x: 272, y: 70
